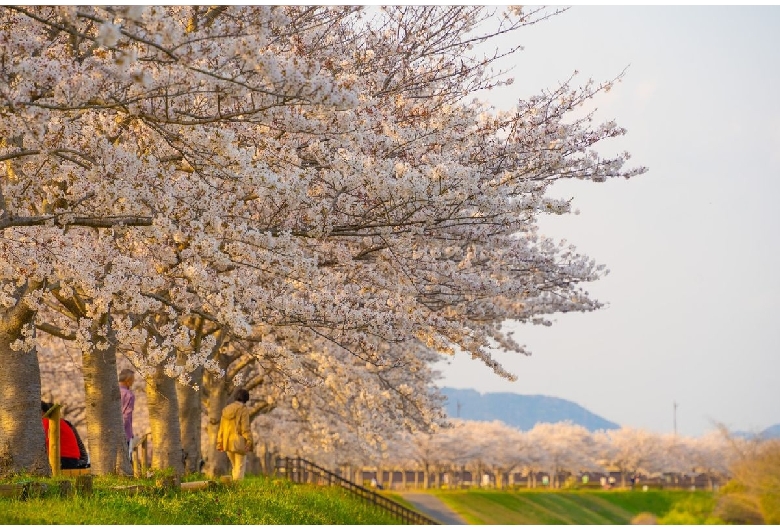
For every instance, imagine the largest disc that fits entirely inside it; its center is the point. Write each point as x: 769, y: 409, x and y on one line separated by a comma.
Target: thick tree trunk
x: 216, y: 396
x: 22, y: 441
x: 189, y: 421
x: 108, y: 451
x: 164, y: 423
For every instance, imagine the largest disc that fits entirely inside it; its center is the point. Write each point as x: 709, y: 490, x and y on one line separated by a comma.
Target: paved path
x: 433, y: 508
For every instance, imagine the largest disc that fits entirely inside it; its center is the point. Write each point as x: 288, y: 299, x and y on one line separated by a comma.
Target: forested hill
x: 519, y: 410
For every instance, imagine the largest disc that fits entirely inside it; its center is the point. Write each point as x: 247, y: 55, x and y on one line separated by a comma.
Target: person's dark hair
x: 241, y: 394
x: 45, y: 406
x: 126, y: 374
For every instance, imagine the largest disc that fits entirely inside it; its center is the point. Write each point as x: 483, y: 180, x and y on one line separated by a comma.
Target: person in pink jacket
x: 126, y: 379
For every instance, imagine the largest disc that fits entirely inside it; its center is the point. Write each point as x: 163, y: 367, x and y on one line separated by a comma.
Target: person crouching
x: 73, y: 454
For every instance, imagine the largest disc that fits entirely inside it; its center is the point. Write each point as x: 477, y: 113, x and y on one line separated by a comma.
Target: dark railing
x: 302, y: 471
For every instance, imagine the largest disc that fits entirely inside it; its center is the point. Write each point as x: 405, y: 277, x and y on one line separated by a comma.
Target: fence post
x: 84, y: 485
x: 54, y: 414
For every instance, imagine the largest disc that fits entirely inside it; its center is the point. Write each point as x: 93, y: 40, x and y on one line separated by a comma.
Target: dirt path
x: 433, y: 508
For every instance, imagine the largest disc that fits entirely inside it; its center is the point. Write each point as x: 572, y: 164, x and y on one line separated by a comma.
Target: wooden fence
x: 302, y: 471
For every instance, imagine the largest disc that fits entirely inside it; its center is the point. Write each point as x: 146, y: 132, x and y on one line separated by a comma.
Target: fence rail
x: 303, y: 471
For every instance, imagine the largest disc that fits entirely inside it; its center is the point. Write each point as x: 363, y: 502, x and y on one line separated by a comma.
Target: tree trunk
x: 426, y: 477
x: 264, y: 467
x: 108, y: 451
x: 22, y: 441
x: 215, y: 394
x: 189, y: 421
x: 164, y: 422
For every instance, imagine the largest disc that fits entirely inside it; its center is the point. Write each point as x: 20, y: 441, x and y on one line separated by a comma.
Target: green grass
x: 263, y: 500
x: 255, y: 500
x: 580, y: 508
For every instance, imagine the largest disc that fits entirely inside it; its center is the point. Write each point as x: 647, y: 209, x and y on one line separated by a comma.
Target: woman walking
x: 234, y: 436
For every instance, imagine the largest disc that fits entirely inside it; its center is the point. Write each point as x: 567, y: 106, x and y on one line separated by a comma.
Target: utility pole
x: 675, y: 417
x: 457, y: 404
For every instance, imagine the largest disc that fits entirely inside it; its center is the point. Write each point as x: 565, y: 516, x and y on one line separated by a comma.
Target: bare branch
x: 92, y: 222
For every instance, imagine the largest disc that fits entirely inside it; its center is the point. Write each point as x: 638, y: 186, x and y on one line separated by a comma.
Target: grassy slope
x: 256, y: 500
x: 618, y: 507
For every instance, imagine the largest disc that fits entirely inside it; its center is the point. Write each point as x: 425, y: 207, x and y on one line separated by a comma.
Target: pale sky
x: 693, y: 245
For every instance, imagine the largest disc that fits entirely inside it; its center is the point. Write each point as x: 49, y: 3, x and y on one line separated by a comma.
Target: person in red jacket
x: 73, y: 454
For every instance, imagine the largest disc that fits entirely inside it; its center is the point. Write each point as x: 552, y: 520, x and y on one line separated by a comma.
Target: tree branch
x: 55, y: 331
x: 93, y: 222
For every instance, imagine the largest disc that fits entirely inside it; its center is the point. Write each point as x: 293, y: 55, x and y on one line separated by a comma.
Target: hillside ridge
x: 519, y: 410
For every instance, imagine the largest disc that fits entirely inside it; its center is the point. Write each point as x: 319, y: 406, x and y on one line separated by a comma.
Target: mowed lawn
x: 544, y: 507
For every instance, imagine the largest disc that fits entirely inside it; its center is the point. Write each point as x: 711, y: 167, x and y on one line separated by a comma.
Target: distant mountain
x: 519, y: 410
x: 771, y: 432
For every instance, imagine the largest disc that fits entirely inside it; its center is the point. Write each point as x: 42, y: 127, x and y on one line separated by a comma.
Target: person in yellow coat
x: 234, y: 436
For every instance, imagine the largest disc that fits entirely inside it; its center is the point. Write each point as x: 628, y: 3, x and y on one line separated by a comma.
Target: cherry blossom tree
x: 709, y: 454
x: 316, y: 171
x: 569, y: 448
x: 503, y: 449
x: 629, y: 450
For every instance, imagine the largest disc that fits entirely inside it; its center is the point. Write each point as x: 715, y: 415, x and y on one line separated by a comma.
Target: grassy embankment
x: 592, y: 507
x: 256, y: 500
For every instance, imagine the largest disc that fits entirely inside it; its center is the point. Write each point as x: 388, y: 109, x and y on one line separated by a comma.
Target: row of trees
x: 303, y: 199
x: 557, y: 450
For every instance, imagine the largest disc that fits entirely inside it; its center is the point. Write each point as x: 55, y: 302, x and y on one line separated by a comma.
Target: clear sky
x: 693, y: 245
